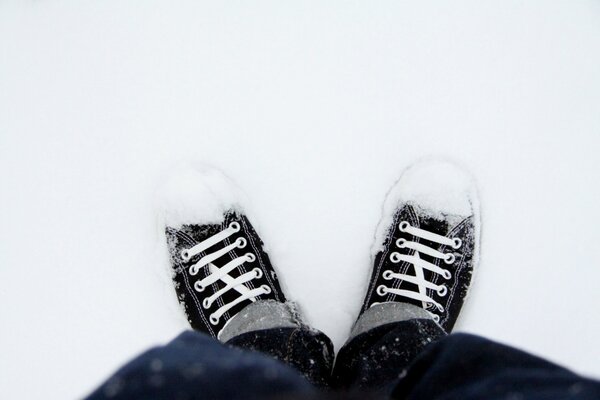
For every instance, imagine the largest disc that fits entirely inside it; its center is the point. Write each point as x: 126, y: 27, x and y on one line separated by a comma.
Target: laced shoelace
x: 419, y: 265
x: 222, y: 274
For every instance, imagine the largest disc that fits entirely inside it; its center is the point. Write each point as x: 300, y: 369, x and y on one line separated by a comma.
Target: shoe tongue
x: 434, y: 225
x: 439, y: 223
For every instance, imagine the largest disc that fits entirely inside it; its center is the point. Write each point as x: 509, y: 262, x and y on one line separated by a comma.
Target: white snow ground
x: 314, y: 108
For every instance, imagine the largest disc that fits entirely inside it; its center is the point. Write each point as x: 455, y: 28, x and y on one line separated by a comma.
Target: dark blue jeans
x: 411, y: 359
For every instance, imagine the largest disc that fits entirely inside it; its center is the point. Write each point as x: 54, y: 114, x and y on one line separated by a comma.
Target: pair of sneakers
x: 424, y: 253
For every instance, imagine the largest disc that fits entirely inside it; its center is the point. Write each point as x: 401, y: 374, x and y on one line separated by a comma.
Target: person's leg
x: 224, y: 278
x: 275, y: 329
x: 196, y: 366
x: 463, y: 366
x: 415, y: 359
x: 230, y: 293
x: 399, y: 345
x: 380, y: 348
x: 425, y: 251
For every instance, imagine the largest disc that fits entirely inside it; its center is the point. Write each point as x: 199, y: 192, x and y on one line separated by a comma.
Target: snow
x: 198, y: 194
x: 438, y: 187
x: 314, y: 109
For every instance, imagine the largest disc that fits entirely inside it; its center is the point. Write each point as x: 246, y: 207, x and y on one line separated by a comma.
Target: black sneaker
x: 427, y: 242
x: 219, y: 264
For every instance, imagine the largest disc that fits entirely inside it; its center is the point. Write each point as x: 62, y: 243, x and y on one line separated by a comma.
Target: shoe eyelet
x: 250, y: 257
x: 395, y: 257
x: 403, y: 226
x: 387, y: 275
x: 258, y: 272
x: 199, y: 287
x: 400, y: 243
x: 456, y: 243
x: 185, y: 255
x: 206, y: 303
x: 436, y: 318
x: 241, y: 243
x: 235, y: 226
x: 381, y: 290
x: 266, y: 289
x: 193, y: 271
x: 213, y: 320
x: 442, y: 291
x: 450, y: 258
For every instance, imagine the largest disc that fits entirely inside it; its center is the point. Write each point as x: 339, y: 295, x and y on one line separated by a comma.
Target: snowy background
x: 314, y: 108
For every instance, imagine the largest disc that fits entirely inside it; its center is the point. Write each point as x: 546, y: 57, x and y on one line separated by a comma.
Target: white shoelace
x: 419, y: 265
x: 222, y: 274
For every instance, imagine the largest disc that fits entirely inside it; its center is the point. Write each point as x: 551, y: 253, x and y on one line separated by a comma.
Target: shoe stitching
x: 183, y: 236
x: 404, y: 266
x: 215, y: 285
x: 457, y: 271
x: 376, y: 271
x: 261, y: 261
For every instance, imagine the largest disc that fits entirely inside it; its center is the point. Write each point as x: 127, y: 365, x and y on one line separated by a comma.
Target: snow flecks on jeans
x: 193, y: 371
x: 156, y: 380
x: 113, y: 387
x: 156, y: 365
x: 575, y: 389
x: 307, y: 350
x: 383, y: 350
x: 271, y: 373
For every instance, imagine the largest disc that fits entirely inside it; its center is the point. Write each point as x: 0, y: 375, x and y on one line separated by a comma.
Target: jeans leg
x: 277, y: 329
x: 307, y: 350
x: 373, y: 360
x: 463, y: 366
x: 196, y: 366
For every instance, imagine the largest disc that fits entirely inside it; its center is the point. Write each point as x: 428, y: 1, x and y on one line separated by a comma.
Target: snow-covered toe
x: 427, y: 242
x: 218, y: 262
x: 202, y: 194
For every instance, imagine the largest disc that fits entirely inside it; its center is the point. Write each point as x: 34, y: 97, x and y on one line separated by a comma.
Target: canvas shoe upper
x: 426, y: 244
x: 219, y: 265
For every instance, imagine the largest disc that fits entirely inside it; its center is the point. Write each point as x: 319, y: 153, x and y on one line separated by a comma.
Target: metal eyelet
x: 450, y: 258
x: 185, y: 255
x: 381, y: 290
x: 403, y: 226
x: 235, y: 226
x: 266, y: 289
x: 199, y: 287
x: 456, y: 243
x: 387, y: 275
x: 442, y: 291
x: 241, y: 243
